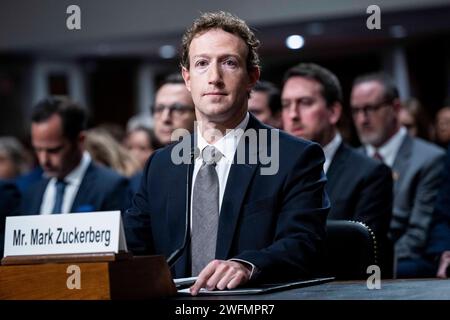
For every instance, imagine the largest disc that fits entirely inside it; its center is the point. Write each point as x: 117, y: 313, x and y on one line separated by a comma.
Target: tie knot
x: 211, y: 155
x: 378, y: 156
x: 60, y: 183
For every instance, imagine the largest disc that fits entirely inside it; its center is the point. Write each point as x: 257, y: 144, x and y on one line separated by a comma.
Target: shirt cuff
x: 254, y: 270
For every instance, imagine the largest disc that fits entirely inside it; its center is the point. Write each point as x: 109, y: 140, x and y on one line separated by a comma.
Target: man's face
x: 174, y: 109
x: 375, y: 120
x: 218, y: 78
x: 407, y: 120
x: 7, y: 167
x: 305, y: 113
x: 56, y: 154
x: 258, y: 105
x: 443, y: 125
x: 139, y: 145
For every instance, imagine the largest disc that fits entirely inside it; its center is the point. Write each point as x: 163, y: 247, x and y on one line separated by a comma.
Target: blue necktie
x: 60, y: 188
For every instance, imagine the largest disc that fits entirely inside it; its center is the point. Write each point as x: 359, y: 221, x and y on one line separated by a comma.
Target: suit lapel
x: 176, y: 213
x: 239, y: 178
x: 336, y: 168
x: 85, y: 188
x: 36, y: 198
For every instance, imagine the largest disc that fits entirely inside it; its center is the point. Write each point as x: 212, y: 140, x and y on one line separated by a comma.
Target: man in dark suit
x: 9, y: 205
x: 436, y: 260
x: 72, y: 181
x: 247, y: 223
x: 416, y: 164
x: 359, y: 188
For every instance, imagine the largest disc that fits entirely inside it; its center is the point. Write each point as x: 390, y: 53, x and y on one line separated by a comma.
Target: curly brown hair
x: 227, y: 22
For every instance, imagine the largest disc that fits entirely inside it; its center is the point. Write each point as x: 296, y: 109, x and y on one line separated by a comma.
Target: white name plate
x: 88, y: 232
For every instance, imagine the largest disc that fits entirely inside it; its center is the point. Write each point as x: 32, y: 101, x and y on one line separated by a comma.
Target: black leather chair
x: 350, y: 247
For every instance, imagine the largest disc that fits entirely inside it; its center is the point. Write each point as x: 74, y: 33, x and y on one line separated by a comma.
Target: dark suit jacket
x: 277, y: 222
x: 360, y: 189
x: 9, y: 204
x: 439, y: 240
x: 100, y: 190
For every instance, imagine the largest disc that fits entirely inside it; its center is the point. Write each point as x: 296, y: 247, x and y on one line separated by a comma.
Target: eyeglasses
x: 177, y: 109
x: 369, y: 110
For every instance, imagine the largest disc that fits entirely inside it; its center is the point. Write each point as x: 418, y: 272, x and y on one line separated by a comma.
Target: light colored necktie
x: 205, y: 211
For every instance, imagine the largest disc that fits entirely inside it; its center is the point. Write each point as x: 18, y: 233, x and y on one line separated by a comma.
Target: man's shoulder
x: 103, y: 175
x: 358, y: 163
x: 425, y: 152
x: 420, y: 146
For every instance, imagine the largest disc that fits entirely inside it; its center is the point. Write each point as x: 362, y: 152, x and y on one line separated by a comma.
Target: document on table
x: 263, y: 288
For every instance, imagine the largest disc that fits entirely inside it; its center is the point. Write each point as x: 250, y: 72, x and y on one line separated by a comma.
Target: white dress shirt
x: 73, y: 181
x: 389, y: 150
x: 330, y: 150
x: 227, y: 146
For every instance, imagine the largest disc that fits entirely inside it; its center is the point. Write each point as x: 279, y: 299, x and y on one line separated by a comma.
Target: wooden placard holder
x: 103, y: 276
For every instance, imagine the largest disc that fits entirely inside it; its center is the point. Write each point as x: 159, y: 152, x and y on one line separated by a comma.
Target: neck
x: 392, y: 133
x: 328, y: 137
x: 212, y: 131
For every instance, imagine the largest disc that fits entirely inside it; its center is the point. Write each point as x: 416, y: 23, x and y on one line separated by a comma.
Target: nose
x: 166, y: 115
x: 361, y: 117
x: 44, y: 158
x: 293, y: 112
x: 214, y: 74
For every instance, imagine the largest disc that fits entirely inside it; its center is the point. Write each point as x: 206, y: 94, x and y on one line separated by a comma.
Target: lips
x: 215, y: 94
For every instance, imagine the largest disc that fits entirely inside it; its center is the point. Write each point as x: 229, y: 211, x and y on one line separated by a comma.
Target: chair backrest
x: 350, y: 247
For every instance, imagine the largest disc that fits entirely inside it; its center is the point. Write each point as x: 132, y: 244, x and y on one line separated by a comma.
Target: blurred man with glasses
x: 173, y: 109
x: 416, y: 165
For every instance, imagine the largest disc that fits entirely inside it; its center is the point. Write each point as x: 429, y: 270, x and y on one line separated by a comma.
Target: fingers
x: 443, y: 265
x: 221, y: 274
x: 203, y: 277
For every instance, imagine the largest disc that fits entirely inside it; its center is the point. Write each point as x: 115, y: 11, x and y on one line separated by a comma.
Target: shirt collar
x: 330, y: 150
x: 227, y: 145
x: 390, y: 149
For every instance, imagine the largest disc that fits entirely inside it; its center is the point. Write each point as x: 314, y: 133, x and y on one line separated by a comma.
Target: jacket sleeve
x: 300, y: 223
x: 413, y: 241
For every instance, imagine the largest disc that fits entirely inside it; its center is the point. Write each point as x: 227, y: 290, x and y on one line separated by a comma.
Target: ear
x: 186, y: 77
x: 397, y: 106
x: 81, y: 139
x: 335, y: 113
x: 254, y: 75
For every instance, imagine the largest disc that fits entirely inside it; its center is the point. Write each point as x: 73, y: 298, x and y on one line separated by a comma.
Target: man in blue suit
x: 437, y: 258
x: 9, y: 204
x: 72, y: 181
x: 247, y: 223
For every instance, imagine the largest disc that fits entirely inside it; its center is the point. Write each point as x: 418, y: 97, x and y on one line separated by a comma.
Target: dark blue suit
x: 100, y: 190
x: 361, y: 189
x: 439, y: 240
x: 9, y: 204
x: 276, y: 222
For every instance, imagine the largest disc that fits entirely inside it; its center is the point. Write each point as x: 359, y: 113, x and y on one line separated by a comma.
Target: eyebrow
x: 227, y: 55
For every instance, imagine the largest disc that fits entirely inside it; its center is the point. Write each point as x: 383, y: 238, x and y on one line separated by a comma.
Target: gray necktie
x: 205, y: 211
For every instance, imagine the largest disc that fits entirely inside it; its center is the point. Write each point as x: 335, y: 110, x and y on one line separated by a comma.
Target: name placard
x: 88, y: 232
